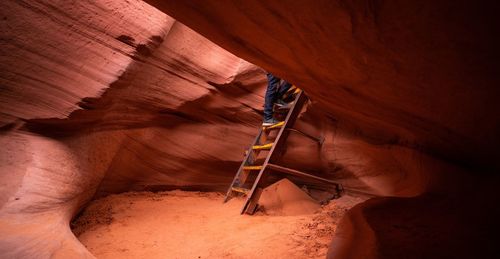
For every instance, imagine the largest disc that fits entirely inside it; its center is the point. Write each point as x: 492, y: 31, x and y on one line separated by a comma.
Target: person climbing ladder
x: 262, y: 157
x: 276, y: 89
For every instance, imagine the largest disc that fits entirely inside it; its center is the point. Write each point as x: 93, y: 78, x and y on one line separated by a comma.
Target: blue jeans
x: 274, y: 91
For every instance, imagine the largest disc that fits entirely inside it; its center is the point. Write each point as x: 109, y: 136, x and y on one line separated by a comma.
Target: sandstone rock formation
x: 413, y: 88
x: 105, y: 96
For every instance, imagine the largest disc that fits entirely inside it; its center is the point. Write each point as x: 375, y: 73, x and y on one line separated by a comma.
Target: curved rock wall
x: 104, y: 96
x: 69, y: 49
x: 415, y: 74
x: 413, y: 90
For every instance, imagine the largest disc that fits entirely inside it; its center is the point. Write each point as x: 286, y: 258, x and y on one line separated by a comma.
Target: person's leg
x: 271, y: 94
x: 283, y: 89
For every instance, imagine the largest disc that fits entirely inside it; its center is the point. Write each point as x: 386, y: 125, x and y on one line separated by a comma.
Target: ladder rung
x: 252, y: 167
x: 292, y: 89
x: 274, y: 126
x: 261, y: 147
x: 240, y: 190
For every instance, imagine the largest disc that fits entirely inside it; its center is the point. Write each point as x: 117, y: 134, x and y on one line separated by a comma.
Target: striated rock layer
x: 105, y: 97
x: 413, y: 89
x: 101, y: 97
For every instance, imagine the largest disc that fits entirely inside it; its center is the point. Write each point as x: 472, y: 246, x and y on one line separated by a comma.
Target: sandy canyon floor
x: 179, y: 224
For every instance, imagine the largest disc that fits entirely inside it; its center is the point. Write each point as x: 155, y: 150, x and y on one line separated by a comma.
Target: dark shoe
x: 283, y: 105
x: 270, y: 122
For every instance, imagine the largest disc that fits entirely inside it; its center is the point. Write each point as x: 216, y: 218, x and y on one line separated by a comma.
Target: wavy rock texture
x: 67, y: 48
x: 413, y: 89
x: 104, y: 97
x: 101, y: 97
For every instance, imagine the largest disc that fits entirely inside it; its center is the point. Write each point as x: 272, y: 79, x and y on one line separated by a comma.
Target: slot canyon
x: 123, y: 123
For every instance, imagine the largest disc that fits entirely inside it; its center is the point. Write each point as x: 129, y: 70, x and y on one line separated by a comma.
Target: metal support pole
x: 320, y: 140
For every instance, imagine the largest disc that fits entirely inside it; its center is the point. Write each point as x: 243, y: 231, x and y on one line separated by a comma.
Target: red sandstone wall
x: 110, y: 97
x: 118, y: 96
x: 413, y: 89
x: 69, y: 49
x: 417, y: 74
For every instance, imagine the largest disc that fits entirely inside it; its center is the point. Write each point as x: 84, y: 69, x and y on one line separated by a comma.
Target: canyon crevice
x: 103, y: 97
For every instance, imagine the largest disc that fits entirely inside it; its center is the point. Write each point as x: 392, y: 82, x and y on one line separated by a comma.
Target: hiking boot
x: 283, y: 105
x: 270, y: 122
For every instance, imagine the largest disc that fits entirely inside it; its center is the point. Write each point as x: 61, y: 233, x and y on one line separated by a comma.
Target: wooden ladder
x: 261, y: 144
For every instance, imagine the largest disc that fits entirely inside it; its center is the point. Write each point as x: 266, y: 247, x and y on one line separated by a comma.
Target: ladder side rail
x: 289, y: 122
x: 245, y: 160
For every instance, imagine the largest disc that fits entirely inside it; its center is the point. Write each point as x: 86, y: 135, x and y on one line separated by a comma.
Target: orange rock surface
x: 101, y: 97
